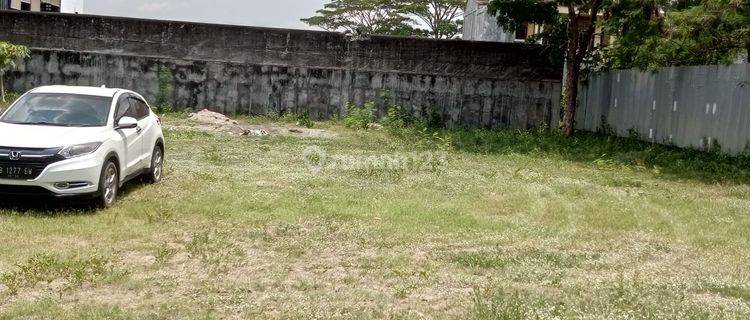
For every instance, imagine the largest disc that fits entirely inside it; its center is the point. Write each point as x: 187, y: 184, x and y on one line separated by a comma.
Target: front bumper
x: 82, y: 174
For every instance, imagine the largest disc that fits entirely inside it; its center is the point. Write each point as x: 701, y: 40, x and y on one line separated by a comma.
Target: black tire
x: 156, y: 171
x: 109, y: 184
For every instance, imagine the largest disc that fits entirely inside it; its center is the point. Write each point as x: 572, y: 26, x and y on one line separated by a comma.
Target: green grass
x: 512, y: 225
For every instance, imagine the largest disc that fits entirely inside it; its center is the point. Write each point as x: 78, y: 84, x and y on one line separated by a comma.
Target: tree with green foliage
x: 441, y: 17
x: 660, y: 33
x: 438, y: 19
x: 555, y: 38
x: 638, y: 24
x: 581, y: 20
x: 362, y: 16
x: 9, y: 54
x: 715, y: 31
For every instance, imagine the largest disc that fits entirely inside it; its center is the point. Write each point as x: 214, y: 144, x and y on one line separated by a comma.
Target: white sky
x: 264, y: 13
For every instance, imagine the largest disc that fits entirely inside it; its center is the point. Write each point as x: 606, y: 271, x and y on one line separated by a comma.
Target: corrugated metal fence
x: 701, y: 106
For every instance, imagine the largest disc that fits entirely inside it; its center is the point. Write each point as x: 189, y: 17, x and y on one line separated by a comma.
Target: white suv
x: 78, y: 141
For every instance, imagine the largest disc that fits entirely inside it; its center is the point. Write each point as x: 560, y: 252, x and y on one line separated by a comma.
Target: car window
x: 125, y: 108
x: 59, y: 109
x: 141, y: 109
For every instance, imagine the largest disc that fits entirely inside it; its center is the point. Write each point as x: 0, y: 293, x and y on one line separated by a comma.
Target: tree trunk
x: 580, y: 42
x: 2, y: 86
x: 572, y: 66
x: 571, y: 95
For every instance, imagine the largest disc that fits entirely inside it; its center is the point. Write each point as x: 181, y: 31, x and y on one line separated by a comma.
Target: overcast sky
x: 265, y: 13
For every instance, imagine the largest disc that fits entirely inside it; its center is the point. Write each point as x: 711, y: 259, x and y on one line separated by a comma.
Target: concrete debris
x: 209, y: 121
x: 255, y: 132
x: 214, y: 121
x: 210, y: 117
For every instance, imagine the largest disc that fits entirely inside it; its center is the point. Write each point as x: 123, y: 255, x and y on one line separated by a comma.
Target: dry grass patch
x: 512, y: 225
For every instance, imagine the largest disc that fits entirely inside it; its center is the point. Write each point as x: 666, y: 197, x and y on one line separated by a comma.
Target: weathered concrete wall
x: 235, y: 69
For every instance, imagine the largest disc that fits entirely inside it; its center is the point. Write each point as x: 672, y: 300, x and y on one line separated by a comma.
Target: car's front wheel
x: 109, y: 184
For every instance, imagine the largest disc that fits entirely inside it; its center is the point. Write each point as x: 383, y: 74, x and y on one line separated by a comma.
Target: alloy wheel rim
x: 157, y: 164
x: 110, y: 184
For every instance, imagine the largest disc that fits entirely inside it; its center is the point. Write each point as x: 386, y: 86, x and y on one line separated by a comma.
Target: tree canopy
x: 438, y: 19
x: 426, y: 18
x: 512, y: 14
x: 366, y: 16
x: 9, y: 54
x: 659, y: 33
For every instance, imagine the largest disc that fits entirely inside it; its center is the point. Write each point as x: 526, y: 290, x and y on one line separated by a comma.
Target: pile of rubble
x: 206, y: 120
x: 214, y: 121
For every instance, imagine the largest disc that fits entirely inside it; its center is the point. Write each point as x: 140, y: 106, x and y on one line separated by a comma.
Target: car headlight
x: 78, y: 150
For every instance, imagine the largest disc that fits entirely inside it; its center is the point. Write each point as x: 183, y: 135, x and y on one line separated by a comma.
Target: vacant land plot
x: 461, y: 224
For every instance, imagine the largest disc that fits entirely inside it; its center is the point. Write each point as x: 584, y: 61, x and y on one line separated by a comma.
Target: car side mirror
x: 126, y: 123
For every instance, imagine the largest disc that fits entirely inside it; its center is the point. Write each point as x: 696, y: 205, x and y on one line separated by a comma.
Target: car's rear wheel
x: 109, y: 184
x: 157, y: 165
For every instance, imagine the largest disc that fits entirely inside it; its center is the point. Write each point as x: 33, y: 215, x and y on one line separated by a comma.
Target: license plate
x: 16, y: 172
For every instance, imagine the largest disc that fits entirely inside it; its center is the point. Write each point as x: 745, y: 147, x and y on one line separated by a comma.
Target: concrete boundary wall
x: 698, y: 106
x: 234, y: 69
x: 233, y: 88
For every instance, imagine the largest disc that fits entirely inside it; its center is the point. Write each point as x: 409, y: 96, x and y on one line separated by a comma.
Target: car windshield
x: 59, y: 109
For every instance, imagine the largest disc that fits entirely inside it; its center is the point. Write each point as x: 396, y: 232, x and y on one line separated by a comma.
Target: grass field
x: 474, y: 224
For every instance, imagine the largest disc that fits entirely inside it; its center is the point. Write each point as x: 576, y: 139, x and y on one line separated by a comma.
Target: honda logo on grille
x: 14, y: 155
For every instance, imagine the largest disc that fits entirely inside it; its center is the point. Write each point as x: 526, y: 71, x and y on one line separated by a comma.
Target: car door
x: 132, y: 139
x: 146, y: 127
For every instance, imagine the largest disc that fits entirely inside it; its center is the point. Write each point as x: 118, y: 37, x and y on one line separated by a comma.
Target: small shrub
x: 302, y: 120
x: 358, y: 117
x: 305, y: 121
x: 10, y: 97
x: 714, y: 147
x: 744, y: 157
x: 605, y: 128
x: 633, y: 134
x: 165, y: 90
x: 397, y: 118
x: 435, y: 120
